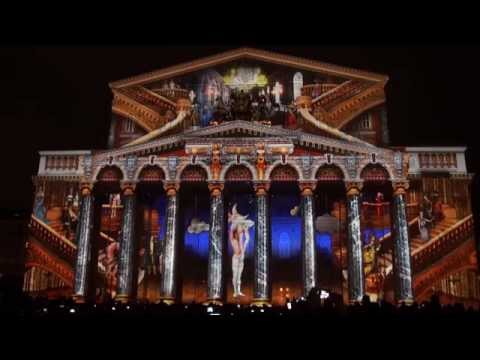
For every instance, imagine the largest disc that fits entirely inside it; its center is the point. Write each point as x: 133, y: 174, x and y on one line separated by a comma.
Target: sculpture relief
x: 216, y: 162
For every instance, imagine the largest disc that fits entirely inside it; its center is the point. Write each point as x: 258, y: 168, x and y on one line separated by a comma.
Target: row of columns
x: 215, y: 281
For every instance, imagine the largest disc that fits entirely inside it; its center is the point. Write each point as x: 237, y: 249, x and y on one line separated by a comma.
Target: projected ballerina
x: 239, y: 238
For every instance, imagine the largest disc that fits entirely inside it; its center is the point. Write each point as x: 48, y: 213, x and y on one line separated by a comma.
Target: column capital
x: 215, y: 187
x: 400, y: 187
x: 128, y: 187
x: 171, y: 188
x: 86, y: 187
x: 353, y: 187
x: 307, y: 187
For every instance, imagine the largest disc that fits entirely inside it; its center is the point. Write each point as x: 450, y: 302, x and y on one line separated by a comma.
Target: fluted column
x: 402, y: 271
x: 84, y: 243
x: 356, y: 284
x: 127, y: 244
x: 309, y: 266
x: 261, y: 287
x: 215, y: 245
x: 170, y: 247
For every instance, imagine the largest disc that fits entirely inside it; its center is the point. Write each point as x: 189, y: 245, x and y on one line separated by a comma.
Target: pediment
x: 249, y: 54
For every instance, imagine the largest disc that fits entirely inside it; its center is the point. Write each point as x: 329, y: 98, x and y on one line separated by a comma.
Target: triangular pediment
x: 249, y: 54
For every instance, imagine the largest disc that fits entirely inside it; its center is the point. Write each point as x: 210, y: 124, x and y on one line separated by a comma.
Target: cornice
x: 256, y: 54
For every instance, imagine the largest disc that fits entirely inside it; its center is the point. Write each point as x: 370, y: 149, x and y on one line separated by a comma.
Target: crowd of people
x: 312, y: 307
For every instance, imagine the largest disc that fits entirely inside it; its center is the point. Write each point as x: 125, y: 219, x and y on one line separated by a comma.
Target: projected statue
x: 239, y: 238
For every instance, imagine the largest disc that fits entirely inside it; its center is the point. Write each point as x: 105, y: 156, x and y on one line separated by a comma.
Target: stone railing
x: 172, y: 94
x: 437, y: 159
x: 68, y: 163
x: 442, y: 244
x: 315, y: 90
x: 60, y: 245
x: 341, y: 93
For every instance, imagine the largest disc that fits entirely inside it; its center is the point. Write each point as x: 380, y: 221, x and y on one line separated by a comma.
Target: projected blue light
x: 377, y: 232
x: 285, y: 228
x: 323, y: 242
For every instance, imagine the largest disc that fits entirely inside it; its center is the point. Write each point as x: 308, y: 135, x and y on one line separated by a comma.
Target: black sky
x: 56, y: 98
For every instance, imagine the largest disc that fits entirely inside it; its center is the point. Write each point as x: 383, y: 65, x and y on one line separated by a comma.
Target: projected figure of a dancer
x: 239, y: 238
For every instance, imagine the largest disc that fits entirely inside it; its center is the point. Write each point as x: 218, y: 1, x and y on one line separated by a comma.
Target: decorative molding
x: 256, y: 54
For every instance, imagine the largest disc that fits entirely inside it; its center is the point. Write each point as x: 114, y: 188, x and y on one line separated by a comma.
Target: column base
x: 79, y: 299
x: 261, y: 302
x: 167, y: 300
x: 214, y: 302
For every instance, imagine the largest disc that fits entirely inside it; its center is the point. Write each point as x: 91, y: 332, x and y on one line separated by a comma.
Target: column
x: 309, y: 267
x: 170, y: 247
x: 127, y: 244
x: 261, y: 288
x: 84, y: 243
x: 402, y: 271
x: 215, y: 246
x: 354, y: 244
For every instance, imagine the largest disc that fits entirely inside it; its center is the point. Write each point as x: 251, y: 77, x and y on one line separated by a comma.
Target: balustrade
x: 52, y: 239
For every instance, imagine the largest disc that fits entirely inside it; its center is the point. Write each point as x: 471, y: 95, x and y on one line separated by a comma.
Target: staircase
x: 446, y: 237
x: 51, y: 251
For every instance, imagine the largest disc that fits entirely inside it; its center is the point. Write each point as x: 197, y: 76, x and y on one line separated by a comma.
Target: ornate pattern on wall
x: 110, y: 174
x: 238, y: 173
x: 284, y: 173
x: 151, y: 173
x: 373, y: 172
x: 329, y: 173
x: 193, y: 173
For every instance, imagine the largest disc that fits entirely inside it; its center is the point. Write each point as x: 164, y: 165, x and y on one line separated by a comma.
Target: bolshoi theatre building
x: 252, y: 177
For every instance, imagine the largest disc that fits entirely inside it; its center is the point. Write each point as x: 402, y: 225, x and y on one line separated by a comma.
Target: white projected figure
x: 239, y: 238
x: 277, y: 91
x: 297, y: 85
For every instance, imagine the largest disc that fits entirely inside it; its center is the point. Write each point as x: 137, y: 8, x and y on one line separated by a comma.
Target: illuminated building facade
x: 252, y: 177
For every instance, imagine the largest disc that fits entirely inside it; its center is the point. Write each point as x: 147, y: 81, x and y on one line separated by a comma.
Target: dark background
x: 57, y: 97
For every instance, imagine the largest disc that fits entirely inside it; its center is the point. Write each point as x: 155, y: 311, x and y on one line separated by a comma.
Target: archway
x: 239, y: 202
x: 107, y: 224
x: 330, y: 229
x: 375, y: 225
x: 194, y: 226
x: 151, y: 226
x: 285, y: 229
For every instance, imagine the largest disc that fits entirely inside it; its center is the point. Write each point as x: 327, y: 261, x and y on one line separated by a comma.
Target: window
x: 365, y: 122
x: 128, y: 126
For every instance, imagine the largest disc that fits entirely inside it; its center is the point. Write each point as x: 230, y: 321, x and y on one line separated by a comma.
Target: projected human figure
x: 239, y: 238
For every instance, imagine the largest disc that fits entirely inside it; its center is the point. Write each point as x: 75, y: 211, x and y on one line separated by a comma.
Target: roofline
x: 256, y: 54
x: 435, y: 148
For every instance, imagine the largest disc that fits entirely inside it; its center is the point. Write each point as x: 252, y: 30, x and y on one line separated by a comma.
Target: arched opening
x: 330, y: 230
x: 106, y: 232
x: 151, y: 229
x: 285, y: 230
x: 151, y: 173
x: 240, y: 210
x: 375, y: 225
x: 194, y: 226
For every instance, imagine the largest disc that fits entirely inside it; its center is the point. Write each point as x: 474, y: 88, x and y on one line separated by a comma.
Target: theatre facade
x: 252, y: 177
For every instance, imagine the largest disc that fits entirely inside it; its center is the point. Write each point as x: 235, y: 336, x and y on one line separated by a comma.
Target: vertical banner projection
x: 195, y: 226
x: 153, y: 206
x: 375, y: 226
x: 241, y: 243
x: 108, y: 246
x: 286, y: 228
x: 329, y: 225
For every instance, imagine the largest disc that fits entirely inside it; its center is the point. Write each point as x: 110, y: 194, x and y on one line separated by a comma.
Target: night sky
x: 57, y: 98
